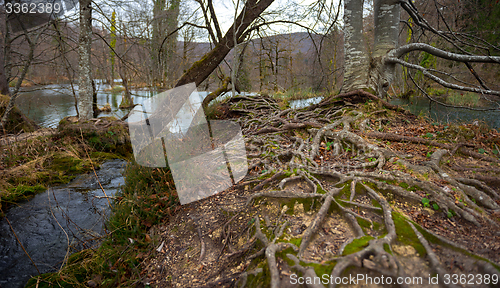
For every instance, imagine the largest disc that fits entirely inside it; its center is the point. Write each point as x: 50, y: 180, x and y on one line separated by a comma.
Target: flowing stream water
x: 56, y: 223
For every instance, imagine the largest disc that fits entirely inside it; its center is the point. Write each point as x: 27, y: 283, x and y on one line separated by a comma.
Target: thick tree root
x: 357, y: 203
x: 374, y: 256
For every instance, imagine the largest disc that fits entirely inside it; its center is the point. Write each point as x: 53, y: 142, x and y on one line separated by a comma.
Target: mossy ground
x: 296, y: 215
x: 153, y: 240
x: 29, y: 166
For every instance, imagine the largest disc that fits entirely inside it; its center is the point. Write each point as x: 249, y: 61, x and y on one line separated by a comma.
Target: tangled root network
x: 351, y: 192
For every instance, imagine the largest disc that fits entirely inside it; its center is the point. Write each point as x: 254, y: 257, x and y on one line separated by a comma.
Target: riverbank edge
x: 147, y: 200
x: 34, y: 161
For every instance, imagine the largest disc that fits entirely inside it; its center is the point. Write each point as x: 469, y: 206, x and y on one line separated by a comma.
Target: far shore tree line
x: 385, y: 47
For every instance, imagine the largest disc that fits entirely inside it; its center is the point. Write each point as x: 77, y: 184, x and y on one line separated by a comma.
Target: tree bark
x: 84, y: 52
x: 386, y: 39
x: 32, y: 45
x: 127, y: 101
x: 356, y: 55
x: 112, y: 50
x: 4, y: 84
x: 171, y: 42
x: 158, y: 35
x: 201, y: 69
x: 216, y: 93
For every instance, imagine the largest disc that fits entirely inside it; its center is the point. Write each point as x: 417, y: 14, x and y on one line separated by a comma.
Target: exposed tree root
x: 401, y: 138
x: 350, y: 195
x: 436, y: 265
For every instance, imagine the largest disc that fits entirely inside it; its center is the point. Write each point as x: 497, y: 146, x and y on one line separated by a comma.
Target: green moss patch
x: 357, y: 245
x: 49, y: 160
x: 405, y: 233
x: 22, y: 192
x: 69, y: 164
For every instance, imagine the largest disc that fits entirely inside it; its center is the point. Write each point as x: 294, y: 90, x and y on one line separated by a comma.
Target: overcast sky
x: 225, y: 8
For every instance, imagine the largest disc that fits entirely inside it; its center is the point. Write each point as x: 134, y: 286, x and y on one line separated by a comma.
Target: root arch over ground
x: 344, y: 187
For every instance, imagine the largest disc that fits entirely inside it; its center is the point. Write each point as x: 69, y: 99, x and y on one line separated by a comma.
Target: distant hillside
x: 302, y: 43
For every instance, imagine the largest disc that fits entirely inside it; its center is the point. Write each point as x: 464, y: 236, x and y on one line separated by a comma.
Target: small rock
x: 429, y: 211
x: 368, y: 264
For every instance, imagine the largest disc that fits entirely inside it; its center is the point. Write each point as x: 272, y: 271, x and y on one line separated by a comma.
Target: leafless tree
x: 201, y: 69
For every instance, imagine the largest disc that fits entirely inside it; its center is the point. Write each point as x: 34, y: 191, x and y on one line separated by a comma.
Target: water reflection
x: 47, y: 105
x: 442, y: 114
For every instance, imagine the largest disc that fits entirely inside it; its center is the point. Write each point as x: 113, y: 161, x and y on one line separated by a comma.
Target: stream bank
x: 50, y: 195
x: 442, y: 114
x: 54, y: 224
x: 34, y: 161
x: 219, y: 240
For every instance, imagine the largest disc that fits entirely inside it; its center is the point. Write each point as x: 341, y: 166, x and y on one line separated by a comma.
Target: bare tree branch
x: 447, y: 105
x: 442, y: 54
x: 426, y: 73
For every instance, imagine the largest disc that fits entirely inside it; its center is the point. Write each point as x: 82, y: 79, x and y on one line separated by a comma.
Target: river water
x: 442, y: 114
x: 47, y: 105
x: 437, y: 113
x: 62, y: 220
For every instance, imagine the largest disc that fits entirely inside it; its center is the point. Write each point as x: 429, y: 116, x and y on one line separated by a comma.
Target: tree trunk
x: 84, y: 51
x: 32, y: 45
x: 127, y: 101
x: 362, y: 70
x: 158, y: 35
x: 95, y: 109
x: 66, y: 63
x: 356, y: 68
x: 201, y: 69
x: 386, y: 39
x: 170, y: 48
x: 4, y: 84
x: 113, y: 48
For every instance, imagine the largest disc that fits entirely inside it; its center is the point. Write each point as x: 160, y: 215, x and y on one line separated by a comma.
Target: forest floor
x: 350, y: 187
